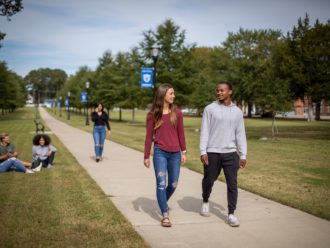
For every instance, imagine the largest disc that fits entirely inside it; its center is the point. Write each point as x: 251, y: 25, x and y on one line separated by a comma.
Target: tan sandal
x: 165, y: 222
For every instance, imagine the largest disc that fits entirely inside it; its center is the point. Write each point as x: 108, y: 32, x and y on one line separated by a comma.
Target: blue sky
x: 67, y: 34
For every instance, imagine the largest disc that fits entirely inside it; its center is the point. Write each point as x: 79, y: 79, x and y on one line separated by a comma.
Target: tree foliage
x: 306, y: 61
x: 45, y: 82
x: 268, y: 70
x: 252, y: 70
x: 12, y: 90
x: 172, y: 65
x: 76, y: 84
x: 9, y: 8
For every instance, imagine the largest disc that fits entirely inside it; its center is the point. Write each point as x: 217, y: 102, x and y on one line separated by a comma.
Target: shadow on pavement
x: 148, y: 206
x: 192, y: 204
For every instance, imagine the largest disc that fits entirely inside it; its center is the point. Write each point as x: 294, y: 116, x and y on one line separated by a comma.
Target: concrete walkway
x: 131, y: 187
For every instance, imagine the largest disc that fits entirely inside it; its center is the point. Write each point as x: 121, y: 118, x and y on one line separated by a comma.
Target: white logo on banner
x: 146, y: 78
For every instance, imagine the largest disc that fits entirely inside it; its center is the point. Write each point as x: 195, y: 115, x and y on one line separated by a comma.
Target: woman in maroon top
x: 165, y: 129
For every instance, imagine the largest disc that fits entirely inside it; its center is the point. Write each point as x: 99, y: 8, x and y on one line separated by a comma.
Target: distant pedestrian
x: 165, y: 130
x: 222, y: 138
x: 101, y: 123
x: 43, y: 153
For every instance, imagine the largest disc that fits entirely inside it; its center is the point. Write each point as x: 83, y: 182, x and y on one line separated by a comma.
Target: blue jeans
x: 11, y: 164
x: 166, y: 163
x: 99, y: 134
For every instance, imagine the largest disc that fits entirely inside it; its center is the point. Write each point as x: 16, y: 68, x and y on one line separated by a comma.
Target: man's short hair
x: 230, y: 86
x: 2, y: 136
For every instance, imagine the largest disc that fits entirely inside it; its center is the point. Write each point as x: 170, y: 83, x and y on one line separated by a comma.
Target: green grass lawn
x: 293, y: 169
x: 59, y: 207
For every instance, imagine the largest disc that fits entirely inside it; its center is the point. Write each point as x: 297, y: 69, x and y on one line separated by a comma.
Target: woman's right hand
x: 147, y: 162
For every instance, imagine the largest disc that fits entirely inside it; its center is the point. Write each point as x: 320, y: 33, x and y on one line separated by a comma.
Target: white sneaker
x: 205, y: 209
x: 37, y: 168
x: 29, y: 171
x: 233, y: 221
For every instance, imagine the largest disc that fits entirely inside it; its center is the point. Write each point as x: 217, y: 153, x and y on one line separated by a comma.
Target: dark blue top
x: 101, y: 120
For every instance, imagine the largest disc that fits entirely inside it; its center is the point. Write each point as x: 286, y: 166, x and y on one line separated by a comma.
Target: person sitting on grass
x: 6, y: 145
x: 8, y: 157
x: 43, y: 153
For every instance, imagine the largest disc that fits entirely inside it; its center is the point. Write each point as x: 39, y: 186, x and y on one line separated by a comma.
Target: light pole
x: 155, y: 53
x: 55, y: 105
x: 87, y: 117
x: 69, y: 94
x: 60, y: 98
x: 36, y: 102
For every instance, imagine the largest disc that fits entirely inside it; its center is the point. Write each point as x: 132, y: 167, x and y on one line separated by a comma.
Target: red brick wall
x: 298, y: 107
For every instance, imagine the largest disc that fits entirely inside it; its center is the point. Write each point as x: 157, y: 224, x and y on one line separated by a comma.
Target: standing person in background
x: 222, y: 138
x: 43, y: 153
x: 101, y: 123
x: 165, y: 129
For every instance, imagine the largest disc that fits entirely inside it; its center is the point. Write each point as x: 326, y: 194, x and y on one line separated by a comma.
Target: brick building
x: 300, y: 107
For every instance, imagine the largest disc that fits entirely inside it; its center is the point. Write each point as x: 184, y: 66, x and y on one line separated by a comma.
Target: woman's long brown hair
x: 158, y: 104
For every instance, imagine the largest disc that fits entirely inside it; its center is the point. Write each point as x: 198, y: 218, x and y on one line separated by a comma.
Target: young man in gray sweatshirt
x: 222, y: 146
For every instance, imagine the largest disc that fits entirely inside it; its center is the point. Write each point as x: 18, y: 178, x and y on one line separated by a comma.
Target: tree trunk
x: 108, y: 110
x: 310, y: 109
x: 274, y: 126
x: 120, y: 115
x: 318, y: 111
x: 133, y: 114
x: 250, y: 105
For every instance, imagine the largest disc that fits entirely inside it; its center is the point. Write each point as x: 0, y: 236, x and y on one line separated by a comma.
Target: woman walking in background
x: 101, y: 123
x: 165, y: 129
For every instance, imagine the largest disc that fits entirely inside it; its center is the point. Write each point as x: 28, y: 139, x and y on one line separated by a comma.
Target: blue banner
x: 146, y: 77
x: 66, y: 102
x: 83, y: 97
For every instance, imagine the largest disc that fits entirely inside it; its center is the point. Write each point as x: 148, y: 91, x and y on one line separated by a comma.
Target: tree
x: 105, y: 75
x: 174, y: 53
x: 12, y: 90
x: 274, y: 96
x: 306, y: 62
x: 76, y: 84
x: 9, y: 8
x: 250, y: 51
x: 207, y: 66
x: 119, y: 81
x: 45, y: 82
x: 4, y: 87
x: 2, y: 36
x: 131, y: 94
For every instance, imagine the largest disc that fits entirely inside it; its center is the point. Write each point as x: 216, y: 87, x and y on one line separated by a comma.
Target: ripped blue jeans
x: 166, y: 164
x: 99, y: 135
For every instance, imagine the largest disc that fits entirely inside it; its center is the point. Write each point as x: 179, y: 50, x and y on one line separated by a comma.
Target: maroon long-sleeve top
x: 166, y: 137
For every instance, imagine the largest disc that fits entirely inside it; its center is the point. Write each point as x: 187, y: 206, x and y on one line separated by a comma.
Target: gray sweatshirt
x: 41, y: 152
x: 223, y: 130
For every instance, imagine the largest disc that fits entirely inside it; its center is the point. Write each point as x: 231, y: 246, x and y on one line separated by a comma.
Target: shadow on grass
x: 192, y: 204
